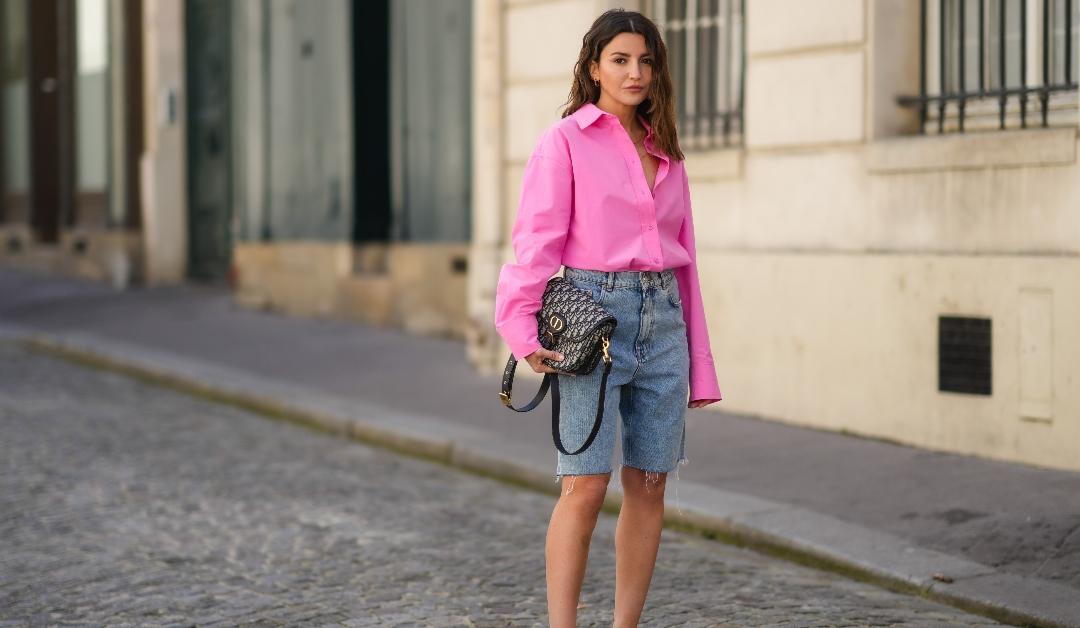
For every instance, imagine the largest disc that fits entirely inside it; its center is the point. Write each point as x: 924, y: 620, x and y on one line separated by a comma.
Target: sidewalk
x: 1007, y: 535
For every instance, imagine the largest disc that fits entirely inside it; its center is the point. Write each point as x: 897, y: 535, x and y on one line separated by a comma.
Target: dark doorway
x: 371, y: 127
x: 50, y: 90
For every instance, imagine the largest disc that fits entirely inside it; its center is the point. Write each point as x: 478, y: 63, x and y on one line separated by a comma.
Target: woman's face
x: 625, y: 70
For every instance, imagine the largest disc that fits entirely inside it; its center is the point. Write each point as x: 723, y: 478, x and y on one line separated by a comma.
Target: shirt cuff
x: 703, y: 384
x: 520, y: 336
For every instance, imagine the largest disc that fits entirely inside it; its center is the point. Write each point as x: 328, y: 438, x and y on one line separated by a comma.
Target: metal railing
x: 705, y: 42
x: 1001, y: 39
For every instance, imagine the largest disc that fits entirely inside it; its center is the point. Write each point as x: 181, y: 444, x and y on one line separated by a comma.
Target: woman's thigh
x: 578, y: 394
x: 653, y: 402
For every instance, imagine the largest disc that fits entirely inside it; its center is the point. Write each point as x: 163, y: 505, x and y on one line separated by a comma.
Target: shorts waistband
x: 622, y: 278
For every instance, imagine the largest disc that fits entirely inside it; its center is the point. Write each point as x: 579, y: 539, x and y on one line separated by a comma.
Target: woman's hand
x: 701, y: 403
x: 535, y: 360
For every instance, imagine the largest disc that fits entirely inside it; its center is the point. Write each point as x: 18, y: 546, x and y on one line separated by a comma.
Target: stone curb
x: 774, y: 528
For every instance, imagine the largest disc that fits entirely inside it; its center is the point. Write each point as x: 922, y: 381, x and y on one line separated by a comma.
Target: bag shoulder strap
x: 596, y: 424
x: 552, y: 381
x: 508, y: 382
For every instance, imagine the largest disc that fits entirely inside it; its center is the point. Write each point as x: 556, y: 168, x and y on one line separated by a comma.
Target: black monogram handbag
x: 569, y: 322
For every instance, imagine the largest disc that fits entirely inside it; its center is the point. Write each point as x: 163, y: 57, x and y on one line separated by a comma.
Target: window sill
x: 719, y: 164
x: 968, y: 151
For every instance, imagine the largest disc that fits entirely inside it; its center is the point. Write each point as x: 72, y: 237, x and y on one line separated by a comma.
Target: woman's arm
x: 538, y: 236
x: 704, y: 388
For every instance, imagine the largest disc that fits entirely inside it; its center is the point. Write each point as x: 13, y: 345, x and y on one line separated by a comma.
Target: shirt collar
x: 587, y: 114
x: 590, y: 113
x: 648, y: 127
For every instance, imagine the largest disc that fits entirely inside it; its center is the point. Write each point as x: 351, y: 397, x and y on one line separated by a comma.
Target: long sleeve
x: 703, y: 383
x: 538, y: 236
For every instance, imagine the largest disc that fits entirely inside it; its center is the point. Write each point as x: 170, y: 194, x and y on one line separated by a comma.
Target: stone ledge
x: 965, y: 151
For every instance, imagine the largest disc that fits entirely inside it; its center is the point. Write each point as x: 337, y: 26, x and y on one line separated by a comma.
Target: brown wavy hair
x: 659, y: 107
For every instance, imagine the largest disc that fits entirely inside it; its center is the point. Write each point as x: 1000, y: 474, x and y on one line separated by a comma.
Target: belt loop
x: 610, y: 280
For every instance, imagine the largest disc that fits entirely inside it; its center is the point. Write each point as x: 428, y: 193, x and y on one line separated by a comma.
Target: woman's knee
x: 586, y: 492
x: 641, y: 484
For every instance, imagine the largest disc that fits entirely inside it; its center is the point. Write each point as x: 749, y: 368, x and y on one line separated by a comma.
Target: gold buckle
x: 606, y: 342
x: 505, y: 398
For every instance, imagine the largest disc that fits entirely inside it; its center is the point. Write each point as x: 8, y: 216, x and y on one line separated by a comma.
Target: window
x: 1001, y: 64
x: 705, y: 54
x: 91, y: 111
x: 14, y: 114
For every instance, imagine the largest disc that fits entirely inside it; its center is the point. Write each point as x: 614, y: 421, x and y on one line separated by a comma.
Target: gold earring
x: 596, y: 82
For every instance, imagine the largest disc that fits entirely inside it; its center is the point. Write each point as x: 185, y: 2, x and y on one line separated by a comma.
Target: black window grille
x: 996, y: 63
x: 964, y: 355
x: 706, y: 55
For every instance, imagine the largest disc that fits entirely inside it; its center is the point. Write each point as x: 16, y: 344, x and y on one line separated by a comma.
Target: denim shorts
x: 648, y: 387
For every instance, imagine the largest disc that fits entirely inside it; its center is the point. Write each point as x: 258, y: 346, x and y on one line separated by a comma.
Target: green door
x: 209, y: 133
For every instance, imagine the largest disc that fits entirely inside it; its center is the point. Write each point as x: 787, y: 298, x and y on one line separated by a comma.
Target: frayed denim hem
x: 573, y: 478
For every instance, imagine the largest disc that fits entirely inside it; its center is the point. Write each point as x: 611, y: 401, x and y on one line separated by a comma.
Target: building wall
x: 292, y: 164
x: 99, y: 217
x: 297, y: 102
x: 831, y: 242
x: 163, y: 164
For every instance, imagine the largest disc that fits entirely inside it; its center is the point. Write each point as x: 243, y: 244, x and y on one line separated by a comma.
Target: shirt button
x: 650, y: 227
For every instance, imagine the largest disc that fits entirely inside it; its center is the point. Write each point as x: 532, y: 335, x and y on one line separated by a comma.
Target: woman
x: 605, y: 194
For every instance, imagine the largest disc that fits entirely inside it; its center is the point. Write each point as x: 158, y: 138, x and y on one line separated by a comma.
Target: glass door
x: 91, y: 113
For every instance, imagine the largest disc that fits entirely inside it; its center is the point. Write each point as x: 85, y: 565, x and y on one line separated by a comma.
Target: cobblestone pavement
x: 125, y: 504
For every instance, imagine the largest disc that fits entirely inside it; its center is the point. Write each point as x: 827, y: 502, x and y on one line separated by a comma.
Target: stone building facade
x: 871, y: 262
x: 314, y: 155
x: 92, y: 133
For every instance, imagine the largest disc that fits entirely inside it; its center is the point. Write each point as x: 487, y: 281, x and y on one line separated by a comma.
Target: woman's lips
x: 635, y: 88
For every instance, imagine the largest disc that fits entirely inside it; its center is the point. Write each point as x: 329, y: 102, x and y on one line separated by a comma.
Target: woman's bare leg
x: 637, y: 538
x: 567, y: 549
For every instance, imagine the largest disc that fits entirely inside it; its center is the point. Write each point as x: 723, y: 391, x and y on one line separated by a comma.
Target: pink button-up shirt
x: 585, y: 203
